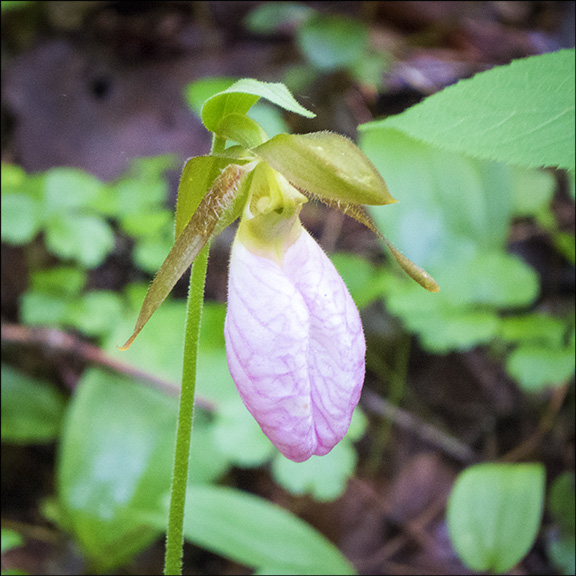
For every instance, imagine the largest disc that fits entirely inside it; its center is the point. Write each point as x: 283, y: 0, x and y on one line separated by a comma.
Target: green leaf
x: 326, y: 165
x: 85, y: 238
x: 521, y: 113
x: 535, y: 367
x: 238, y: 436
x: 242, y: 95
x: 539, y: 329
x: 494, y: 514
x: 115, y: 458
x: 322, y: 477
x: 58, y: 281
x: 256, y: 533
x: 31, y: 409
x: 272, y: 16
x: 532, y: 191
x: 67, y: 189
x: 43, y: 308
x: 15, y: 4
x: 221, y: 201
x: 453, y: 217
x: 201, y: 90
x: 95, y: 313
x: 149, y: 253
x: 331, y: 42
x: 242, y: 129
x: 10, y: 539
x: 450, y: 207
x: 21, y: 218
x: 149, y: 224
x: 269, y: 117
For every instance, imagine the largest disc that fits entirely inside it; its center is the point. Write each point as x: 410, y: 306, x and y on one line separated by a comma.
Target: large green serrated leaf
x: 326, y: 165
x: 242, y: 95
x: 522, y: 114
x: 494, y: 514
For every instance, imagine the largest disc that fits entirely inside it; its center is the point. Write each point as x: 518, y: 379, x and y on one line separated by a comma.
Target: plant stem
x: 174, y: 533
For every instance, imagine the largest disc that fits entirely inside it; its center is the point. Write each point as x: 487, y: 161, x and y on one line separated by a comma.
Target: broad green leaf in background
x: 450, y: 207
x: 117, y: 444
x: 32, y: 409
x: 521, y: 113
x: 324, y: 478
x: 452, y: 218
x: 88, y: 239
x: 67, y: 189
x: 238, y: 436
x: 21, y: 218
x: 15, y: 4
x: 115, y: 458
x: 494, y: 514
x: 60, y: 280
x: 10, y: 539
x: 535, y: 367
x: 331, y: 42
x: 22, y: 208
x: 258, y: 534
x: 273, y: 16
x: 95, y: 313
x: 242, y: 95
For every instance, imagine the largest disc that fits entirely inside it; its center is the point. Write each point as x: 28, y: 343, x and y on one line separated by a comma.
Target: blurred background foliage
x: 100, y: 109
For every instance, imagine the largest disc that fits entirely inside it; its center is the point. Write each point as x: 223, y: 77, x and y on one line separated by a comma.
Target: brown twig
x: 546, y: 423
x: 52, y: 340
x: 424, y: 430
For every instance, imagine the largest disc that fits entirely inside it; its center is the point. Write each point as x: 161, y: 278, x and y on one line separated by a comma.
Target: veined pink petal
x: 295, y: 346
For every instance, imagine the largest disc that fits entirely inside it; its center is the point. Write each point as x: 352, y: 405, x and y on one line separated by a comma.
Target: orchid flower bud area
x: 294, y: 339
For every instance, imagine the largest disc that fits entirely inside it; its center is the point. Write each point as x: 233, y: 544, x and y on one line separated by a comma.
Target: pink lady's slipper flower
x: 294, y: 338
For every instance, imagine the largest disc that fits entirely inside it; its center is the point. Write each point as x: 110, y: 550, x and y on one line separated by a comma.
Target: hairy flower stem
x: 174, y: 532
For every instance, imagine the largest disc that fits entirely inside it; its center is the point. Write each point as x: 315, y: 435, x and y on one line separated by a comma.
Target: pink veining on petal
x: 295, y: 346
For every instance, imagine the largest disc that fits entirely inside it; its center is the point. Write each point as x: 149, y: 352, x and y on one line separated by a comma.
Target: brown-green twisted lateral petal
x: 326, y: 165
x: 215, y: 205
x: 415, y: 272
x: 197, y: 178
x: 359, y: 213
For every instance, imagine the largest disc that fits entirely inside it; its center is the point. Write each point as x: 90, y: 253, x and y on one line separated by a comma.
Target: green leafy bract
x: 326, y: 165
x: 242, y: 95
x: 522, y: 114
